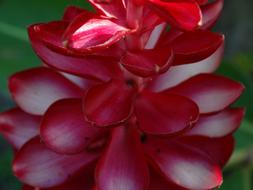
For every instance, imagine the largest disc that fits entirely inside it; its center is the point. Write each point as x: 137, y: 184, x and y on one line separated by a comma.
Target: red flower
x: 121, y: 102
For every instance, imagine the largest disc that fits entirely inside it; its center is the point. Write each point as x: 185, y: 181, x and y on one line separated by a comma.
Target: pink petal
x: 219, y: 124
x: 177, y: 74
x: 184, y: 14
x: 110, y: 8
x: 71, y: 12
x: 123, y: 166
x: 218, y: 149
x: 36, y: 89
x: 71, y: 134
x: 195, y: 46
x: 211, y: 92
x: 144, y: 63
x: 211, y: 13
x: 183, y: 165
x: 40, y: 167
x: 108, y: 103
x: 46, y: 40
x: 18, y: 127
x: 94, y: 34
x: 163, y: 114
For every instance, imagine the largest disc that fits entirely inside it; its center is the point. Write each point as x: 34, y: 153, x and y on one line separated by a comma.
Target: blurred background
x: 236, y: 23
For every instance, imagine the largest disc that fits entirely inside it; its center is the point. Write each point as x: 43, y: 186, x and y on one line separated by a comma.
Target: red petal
x: 211, y: 92
x: 162, y: 113
x: 18, y: 127
x: 218, y: 125
x: 71, y: 134
x: 211, y: 13
x: 145, y: 63
x: 40, y: 167
x: 195, y: 46
x: 218, y: 149
x: 184, y: 14
x: 94, y: 34
x: 47, y: 42
x: 123, y: 164
x: 176, y: 74
x: 36, y: 89
x: 110, y: 8
x: 183, y: 165
x: 202, y: 2
x: 71, y: 12
x: 109, y: 103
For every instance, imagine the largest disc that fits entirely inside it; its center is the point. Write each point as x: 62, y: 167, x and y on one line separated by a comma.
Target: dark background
x: 236, y: 23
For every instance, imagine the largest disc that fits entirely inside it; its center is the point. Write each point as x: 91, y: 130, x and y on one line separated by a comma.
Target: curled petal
x: 177, y: 74
x: 195, y: 46
x: 145, y: 63
x: 219, y: 124
x: 94, y: 34
x: 71, y: 12
x: 123, y: 166
x: 36, y: 89
x: 38, y: 166
x: 109, y: 103
x: 211, y: 13
x: 163, y: 114
x: 46, y: 40
x: 184, y: 14
x: 183, y: 165
x: 18, y: 127
x: 211, y: 92
x: 67, y: 132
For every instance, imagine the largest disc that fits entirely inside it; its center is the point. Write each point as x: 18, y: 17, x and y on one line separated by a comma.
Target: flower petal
x: 110, y: 8
x: 71, y: 134
x: 211, y: 13
x: 94, y: 34
x: 219, y: 124
x: 71, y: 12
x: 184, y: 14
x: 46, y: 40
x: 211, y: 92
x: 109, y: 103
x: 177, y: 74
x: 163, y: 114
x: 18, y: 127
x: 38, y: 166
x: 36, y: 89
x: 144, y: 63
x: 123, y: 166
x: 183, y: 165
x: 195, y: 46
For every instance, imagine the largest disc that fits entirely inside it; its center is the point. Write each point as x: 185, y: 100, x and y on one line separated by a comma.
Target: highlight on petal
x: 47, y: 43
x: 110, y: 8
x: 184, y: 14
x: 94, y: 34
x: 123, y: 165
x: 211, y: 92
x: 67, y: 132
x: 40, y: 167
x: 219, y: 124
x: 211, y: 12
x: 144, y: 63
x: 195, y: 46
x: 34, y: 90
x: 162, y: 114
x: 179, y: 73
x: 18, y: 127
x: 183, y: 165
x: 71, y: 12
x: 108, y: 103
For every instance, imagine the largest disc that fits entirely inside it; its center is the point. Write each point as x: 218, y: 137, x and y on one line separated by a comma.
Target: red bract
x: 125, y: 100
